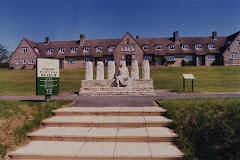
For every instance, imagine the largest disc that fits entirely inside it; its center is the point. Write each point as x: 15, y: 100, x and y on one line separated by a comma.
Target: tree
x: 4, y: 54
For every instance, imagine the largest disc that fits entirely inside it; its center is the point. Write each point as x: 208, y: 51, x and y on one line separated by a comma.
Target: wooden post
x: 192, y: 85
x: 183, y: 84
x: 47, y: 98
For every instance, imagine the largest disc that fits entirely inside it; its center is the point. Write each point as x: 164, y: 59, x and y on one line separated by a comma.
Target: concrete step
x: 107, y: 121
x: 88, y: 134
x: 98, y: 150
x: 109, y: 111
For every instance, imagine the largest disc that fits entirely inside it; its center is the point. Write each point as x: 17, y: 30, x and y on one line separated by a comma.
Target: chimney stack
x: 175, y: 36
x: 47, y: 40
x: 137, y: 37
x: 82, y: 39
x: 214, y: 35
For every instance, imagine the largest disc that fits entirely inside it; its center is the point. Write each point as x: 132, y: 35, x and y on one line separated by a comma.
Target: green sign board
x: 47, y: 76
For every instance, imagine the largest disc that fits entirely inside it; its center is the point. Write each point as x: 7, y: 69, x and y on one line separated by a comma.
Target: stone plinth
x: 134, y: 70
x: 100, y: 70
x: 89, y: 71
x: 111, y: 69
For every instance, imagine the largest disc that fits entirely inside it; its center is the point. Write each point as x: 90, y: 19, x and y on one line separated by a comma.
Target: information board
x: 47, y: 76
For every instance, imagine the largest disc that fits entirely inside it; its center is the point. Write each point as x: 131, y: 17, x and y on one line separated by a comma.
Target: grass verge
x: 208, y: 128
x: 17, y: 118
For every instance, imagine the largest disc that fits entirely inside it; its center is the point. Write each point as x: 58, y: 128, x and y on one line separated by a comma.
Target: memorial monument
x: 119, y: 82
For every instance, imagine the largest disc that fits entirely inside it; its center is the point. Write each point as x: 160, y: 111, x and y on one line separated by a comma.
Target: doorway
x: 128, y: 60
x: 201, y: 60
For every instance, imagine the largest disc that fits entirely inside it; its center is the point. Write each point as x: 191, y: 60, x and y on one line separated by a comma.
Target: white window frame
x: 188, y: 58
x: 111, y: 48
x: 30, y: 61
x: 211, y: 46
x: 61, y: 50
x: 122, y: 48
x: 98, y: 48
x: 149, y: 58
x: 71, y: 60
x: 36, y: 49
x: 238, y: 43
x: 185, y: 47
x: 171, y: 46
x: 133, y: 48
x: 24, y: 61
x: 233, y: 56
x: 86, y: 49
x: 24, y: 49
x: 170, y: 58
x: 198, y: 46
x: 158, y: 47
x: 86, y: 59
x: 17, y: 61
x: 145, y: 46
x: 74, y: 49
x: 211, y: 57
x: 128, y: 48
x: 50, y: 50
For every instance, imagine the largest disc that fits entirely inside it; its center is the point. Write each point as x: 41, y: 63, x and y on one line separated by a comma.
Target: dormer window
x: 198, y: 46
x: 50, y: 50
x: 86, y: 49
x: 185, y: 47
x: 98, y: 48
x: 238, y: 43
x: 61, y: 50
x: 211, y: 46
x: 171, y: 46
x: 74, y: 49
x: 36, y: 49
x: 158, y: 47
x: 111, y: 48
x: 228, y: 43
x: 24, y: 50
x: 145, y: 47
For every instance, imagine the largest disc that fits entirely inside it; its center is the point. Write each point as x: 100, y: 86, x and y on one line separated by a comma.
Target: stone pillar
x: 89, y: 70
x: 100, y: 71
x: 134, y: 70
x: 111, y: 69
x: 145, y: 70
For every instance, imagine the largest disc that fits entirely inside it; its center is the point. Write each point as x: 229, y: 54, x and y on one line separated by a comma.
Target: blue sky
x: 99, y: 19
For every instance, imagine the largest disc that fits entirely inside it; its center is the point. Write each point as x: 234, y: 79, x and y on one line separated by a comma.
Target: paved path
x: 134, y: 101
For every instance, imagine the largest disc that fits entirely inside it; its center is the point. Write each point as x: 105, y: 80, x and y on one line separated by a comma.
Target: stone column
x: 100, y: 71
x: 111, y: 69
x: 134, y: 70
x: 145, y: 70
x: 89, y: 70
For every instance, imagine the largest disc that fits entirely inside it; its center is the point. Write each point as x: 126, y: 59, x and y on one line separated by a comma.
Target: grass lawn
x: 17, y: 118
x: 208, y: 128
x: 208, y: 79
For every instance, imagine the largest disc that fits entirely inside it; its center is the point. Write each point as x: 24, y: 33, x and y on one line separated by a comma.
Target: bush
x: 4, y: 65
x: 208, y: 128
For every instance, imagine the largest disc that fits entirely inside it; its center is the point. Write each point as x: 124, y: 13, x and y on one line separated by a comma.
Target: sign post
x: 188, y: 77
x: 47, y: 77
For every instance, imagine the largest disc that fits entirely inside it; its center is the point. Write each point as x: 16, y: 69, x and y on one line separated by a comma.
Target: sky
x: 105, y: 19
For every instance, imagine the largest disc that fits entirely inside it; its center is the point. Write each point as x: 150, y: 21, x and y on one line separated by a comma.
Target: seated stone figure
x: 122, y: 76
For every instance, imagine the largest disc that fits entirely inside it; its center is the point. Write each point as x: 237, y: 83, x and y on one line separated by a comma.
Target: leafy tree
x: 4, y: 54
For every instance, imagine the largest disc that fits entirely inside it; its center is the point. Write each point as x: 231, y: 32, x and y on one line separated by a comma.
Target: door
x: 128, y: 60
x: 201, y: 60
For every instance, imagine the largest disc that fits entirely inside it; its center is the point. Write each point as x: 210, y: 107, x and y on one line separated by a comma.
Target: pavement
x: 118, y: 101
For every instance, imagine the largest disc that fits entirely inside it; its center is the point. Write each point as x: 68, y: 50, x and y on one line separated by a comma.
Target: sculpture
x: 134, y: 70
x: 89, y: 70
x: 122, y: 76
x: 100, y: 71
x: 111, y: 69
x: 145, y: 70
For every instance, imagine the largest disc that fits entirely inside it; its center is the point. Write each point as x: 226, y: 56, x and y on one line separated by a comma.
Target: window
x: 234, y: 56
x: 228, y: 43
x: 50, y: 50
x: 238, y: 43
x: 86, y: 49
x: 87, y: 59
x: 17, y: 62
x: 170, y: 58
x: 74, y: 49
x: 185, y: 46
x: 111, y: 48
x: 24, y: 50
x: 158, y: 47
x: 70, y: 60
x: 198, y: 46
x: 171, y: 46
x: 211, y: 46
x: 133, y: 48
x: 99, y: 48
x: 36, y: 49
x: 128, y: 48
x: 149, y: 58
x: 188, y: 58
x: 122, y: 48
x: 108, y: 59
x: 145, y: 47
x: 210, y: 57
x: 30, y: 61
x: 24, y: 61
x: 61, y: 50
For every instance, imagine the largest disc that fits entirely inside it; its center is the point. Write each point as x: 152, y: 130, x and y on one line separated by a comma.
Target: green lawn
x: 17, y: 118
x: 208, y: 128
x: 208, y: 79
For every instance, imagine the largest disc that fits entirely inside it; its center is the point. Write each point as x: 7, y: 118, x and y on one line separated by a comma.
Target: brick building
x: 172, y: 51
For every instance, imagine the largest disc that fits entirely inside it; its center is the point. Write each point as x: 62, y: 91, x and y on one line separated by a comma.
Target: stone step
x: 109, y: 111
x: 98, y: 150
x: 88, y: 134
x: 107, y: 121
x: 116, y: 93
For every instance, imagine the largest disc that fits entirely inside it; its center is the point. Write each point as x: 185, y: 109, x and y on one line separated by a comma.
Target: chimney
x: 214, y: 35
x: 137, y: 37
x: 47, y: 40
x: 82, y: 39
x: 175, y: 36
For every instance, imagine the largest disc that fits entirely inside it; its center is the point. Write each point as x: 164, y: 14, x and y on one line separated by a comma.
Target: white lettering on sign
x: 47, y: 67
